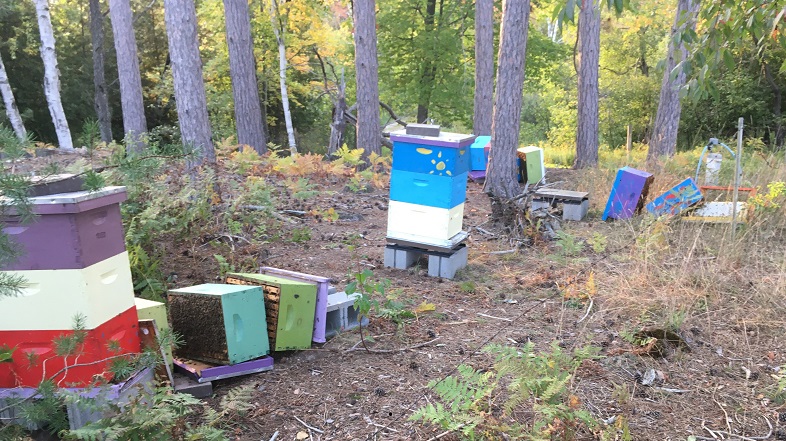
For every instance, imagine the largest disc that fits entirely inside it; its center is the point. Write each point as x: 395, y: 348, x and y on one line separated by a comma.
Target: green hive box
x: 290, y: 309
x: 156, y: 311
x: 220, y: 323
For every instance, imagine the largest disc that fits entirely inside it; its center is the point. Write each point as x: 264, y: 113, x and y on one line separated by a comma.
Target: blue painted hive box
x: 478, y: 154
x: 674, y: 201
x: 444, y: 155
x: 628, y: 193
x: 429, y: 190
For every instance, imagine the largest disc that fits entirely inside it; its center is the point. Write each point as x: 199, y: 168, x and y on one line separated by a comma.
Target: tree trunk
x: 369, y: 137
x: 248, y: 114
x: 501, y: 179
x: 484, y: 67
x: 278, y: 30
x: 589, y: 62
x: 10, y: 104
x: 339, y: 122
x: 100, y: 97
x: 777, y: 100
x: 131, y: 102
x: 181, y: 30
x: 52, y: 75
x: 429, y: 70
x: 667, y: 119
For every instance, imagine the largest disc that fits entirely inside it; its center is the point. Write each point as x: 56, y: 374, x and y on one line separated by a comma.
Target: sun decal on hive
x: 440, y: 164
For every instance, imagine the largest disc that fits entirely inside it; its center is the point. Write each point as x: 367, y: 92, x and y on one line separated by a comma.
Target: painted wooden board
x: 535, y: 165
x: 51, y: 299
x: 435, y: 160
x: 628, y: 193
x: 206, y: 314
x: 478, y: 154
x: 323, y: 288
x: 562, y: 195
x: 291, y: 306
x: 718, y: 212
x: 114, y: 337
x: 67, y: 240
x: 431, y: 223
x: 426, y: 243
x: 430, y: 190
x: 677, y: 199
x: 150, y: 310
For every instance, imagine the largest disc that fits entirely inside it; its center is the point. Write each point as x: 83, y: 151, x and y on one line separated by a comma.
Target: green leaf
x: 728, y: 59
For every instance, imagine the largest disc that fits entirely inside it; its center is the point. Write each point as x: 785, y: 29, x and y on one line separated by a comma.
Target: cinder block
x: 423, y: 129
x: 342, y: 315
x: 400, y: 259
x: 575, y: 211
x: 537, y: 204
x: 447, y: 266
x: 187, y: 385
x: 90, y: 406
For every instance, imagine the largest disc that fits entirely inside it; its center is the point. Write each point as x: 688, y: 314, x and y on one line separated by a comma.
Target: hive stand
x: 443, y: 264
x: 575, y: 204
x: 341, y: 313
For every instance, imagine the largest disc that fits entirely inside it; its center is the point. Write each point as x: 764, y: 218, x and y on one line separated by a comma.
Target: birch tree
x: 589, y: 62
x: 100, y: 97
x: 190, y: 99
x: 484, y: 67
x: 131, y: 102
x: 369, y: 137
x: 248, y: 114
x: 52, y: 75
x: 10, y: 104
x: 501, y: 182
x: 279, y: 28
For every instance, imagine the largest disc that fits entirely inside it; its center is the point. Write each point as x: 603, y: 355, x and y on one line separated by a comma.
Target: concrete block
x: 187, y: 385
x: 400, y: 259
x: 342, y: 315
x: 423, y: 129
x: 88, y: 407
x: 537, y: 204
x: 575, y: 211
x: 446, y: 266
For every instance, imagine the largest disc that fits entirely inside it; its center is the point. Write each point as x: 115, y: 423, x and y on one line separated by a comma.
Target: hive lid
x: 73, y: 202
x: 445, y: 139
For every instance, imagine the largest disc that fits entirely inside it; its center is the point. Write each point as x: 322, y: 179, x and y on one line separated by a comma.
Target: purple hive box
x: 70, y: 231
x: 323, y: 284
x: 628, y: 193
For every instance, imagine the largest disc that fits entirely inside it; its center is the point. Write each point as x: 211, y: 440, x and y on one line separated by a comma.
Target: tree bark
x: 777, y: 100
x: 52, y: 75
x: 10, y: 104
x: 589, y: 62
x: 100, y: 97
x: 278, y: 30
x: 248, y: 114
x: 181, y: 30
x: 501, y: 180
x: 667, y: 119
x: 369, y: 137
x: 131, y: 102
x: 484, y: 67
x: 428, y: 69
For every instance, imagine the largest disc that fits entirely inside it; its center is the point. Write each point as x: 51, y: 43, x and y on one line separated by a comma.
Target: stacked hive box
x: 628, y: 193
x: 220, y: 323
x: 290, y: 306
x: 75, y: 270
x: 428, y: 186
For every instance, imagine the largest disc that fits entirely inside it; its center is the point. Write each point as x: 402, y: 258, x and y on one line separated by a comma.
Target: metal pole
x: 737, y: 177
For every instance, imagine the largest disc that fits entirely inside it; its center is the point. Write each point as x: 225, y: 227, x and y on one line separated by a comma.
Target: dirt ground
x: 718, y: 382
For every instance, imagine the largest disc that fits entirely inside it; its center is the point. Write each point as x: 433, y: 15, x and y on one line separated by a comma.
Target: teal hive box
x: 290, y: 308
x: 428, y: 190
x: 443, y: 155
x: 477, y: 153
x: 222, y: 324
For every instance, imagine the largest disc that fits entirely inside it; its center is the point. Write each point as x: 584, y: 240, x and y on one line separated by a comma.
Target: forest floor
x: 598, y: 285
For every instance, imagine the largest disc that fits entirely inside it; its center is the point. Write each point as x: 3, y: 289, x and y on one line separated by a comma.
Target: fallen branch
x: 392, y: 114
x: 734, y: 435
x: 307, y: 426
x: 493, y: 317
x: 589, y: 308
x: 445, y: 433
x: 391, y: 351
x: 371, y: 422
x: 505, y: 251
